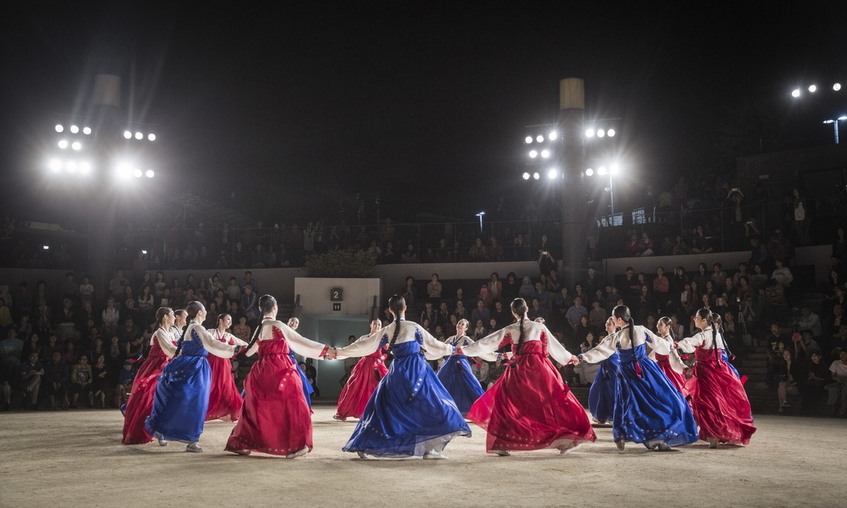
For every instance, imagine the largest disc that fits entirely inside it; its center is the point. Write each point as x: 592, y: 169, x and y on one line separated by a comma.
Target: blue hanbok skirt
x: 182, y: 399
x: 647, y: 406
x: 456, y: 376
x: 410, y: 412
x: 601, y: 395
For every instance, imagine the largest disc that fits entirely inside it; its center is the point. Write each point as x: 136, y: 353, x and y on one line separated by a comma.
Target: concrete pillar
x: 572, y: 159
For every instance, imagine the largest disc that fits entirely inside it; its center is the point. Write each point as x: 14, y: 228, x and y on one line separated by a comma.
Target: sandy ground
x: 75, y: 458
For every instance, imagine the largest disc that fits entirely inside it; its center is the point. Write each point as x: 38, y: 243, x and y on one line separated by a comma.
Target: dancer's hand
x: 331, y: 354
x: 573, y: 361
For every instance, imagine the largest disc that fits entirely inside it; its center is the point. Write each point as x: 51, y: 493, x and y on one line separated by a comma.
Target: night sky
x: 422, y: 104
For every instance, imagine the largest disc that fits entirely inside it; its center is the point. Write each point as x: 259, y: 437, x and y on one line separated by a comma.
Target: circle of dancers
x: 408, y: 410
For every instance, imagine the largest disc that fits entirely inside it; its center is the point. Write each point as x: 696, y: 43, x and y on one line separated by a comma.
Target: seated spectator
x: 597, y: 317
x: 81, y: 378
x: 481, y: 312
x: 56, y: 380
x: 837, y: 390
x: 478, y: 251
x: 124, y: 385
x: 537, y: 310
x: 632, y: 247
x: 645, y: 244
x: 775, y: 301
x: 409, y: 292
x: 789, y: 374
x: 32, y: 372
x: 99, y: 381
x: 809, y: 321
x: 813, y: 386
x: 700, y: 242
x: 502, y: 315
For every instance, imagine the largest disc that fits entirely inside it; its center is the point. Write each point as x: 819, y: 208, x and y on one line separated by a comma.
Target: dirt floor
x: 75, y: 458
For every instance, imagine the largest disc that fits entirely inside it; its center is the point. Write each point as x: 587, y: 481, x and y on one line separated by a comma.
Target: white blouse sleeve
x: 488, y: 357
x: 435, y: 349
x: 212, y: 345
x: 486, y: 344
x: 364, y: 345
x: 166, y: 342
x: 689, y: 344
x: 601, y: 351
x: 556, y: 350
x: 303, y: 346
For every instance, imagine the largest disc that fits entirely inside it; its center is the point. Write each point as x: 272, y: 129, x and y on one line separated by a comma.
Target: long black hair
x: 622, y: 312
x: 192, y: 309
x: 667, y: 322
x: 266, y: 305
x: 519, y: 307
x: 161, y: 313
x: 708, y: 316
x: 397, y: 304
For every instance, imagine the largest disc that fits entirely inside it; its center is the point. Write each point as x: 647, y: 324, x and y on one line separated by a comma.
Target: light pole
x: 834, y: 122
x: 480, y: 214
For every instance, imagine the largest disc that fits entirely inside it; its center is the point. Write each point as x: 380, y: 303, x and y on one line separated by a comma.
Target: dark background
x: 292, y: 110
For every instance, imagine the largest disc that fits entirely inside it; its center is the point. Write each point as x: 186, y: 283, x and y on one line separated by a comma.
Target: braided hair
x: 266, y: 306
x: 622, y: 312
x: 667, y: 322
x: 397, y: 306
x: 717, y: 326
x: 707, y: 316
x: 192, y: 309
x: 519, y: 309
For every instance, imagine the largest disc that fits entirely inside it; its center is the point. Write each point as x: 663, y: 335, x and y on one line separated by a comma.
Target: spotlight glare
x: 602, y: 170
x: 528, y: 140
x: 149, y: 173
x: 552, y: 173
x: 60, y: 128
x: 795, y: 93
x: 136, y: 173
x: 74, y: 129
x: 536, y: 176
x: 533, y: 154
x: 553, y: 136
x: 545, y: 153
x: 813, y: 88
x: 76, y: 146
x: 85, y: 167
x: 589, y: 133
x: 55, y: 165
x: 71, y: 167
x: 842, y: 117
x: 525, y: 175
x: 611, y: 133
x: 139, y: 135
x: 601, y: 133
x: 127, y: 135
x: 615, y: 169
x: 589, y: 172
x: 63, y: 144
x: 151, y: 137
x: 836, y: 87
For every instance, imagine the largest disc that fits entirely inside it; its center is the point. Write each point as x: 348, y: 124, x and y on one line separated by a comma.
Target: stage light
x: 539, y: 138
x: 533, y: 154
x: 813, y: 88
x: 74, y: 129
x: 611, y: 133
x: 127, y: 135
x: 552, y: 173
x: 528, y: 140
x: 86, y: 131
x: 795, y: 93
x: 525, y: 175
x: 589, y: 172
x: 151, y: 137
x: 589, y: 133
x: 149, y: 173
x: 60, y: 128
x: 63, y: 144
x: 76, y: 145
x: 139, y: 136
x: 553, y: 136
x: 545, y: 154
x: 536, y: 176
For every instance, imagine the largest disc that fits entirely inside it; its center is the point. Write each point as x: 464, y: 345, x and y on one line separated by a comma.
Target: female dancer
x: 276, y: 419
x: 410, y: 414
x: 182, y: 395
x: 648, y: 408
x: 455, y: 373
x: 720, y: 403
x: 601, y: 395
x: 529, y: 407
x: 224, y: 399
x: 308, y: 389
x: 664, y: 353
x: 363, y: 380
x: 140, y: 402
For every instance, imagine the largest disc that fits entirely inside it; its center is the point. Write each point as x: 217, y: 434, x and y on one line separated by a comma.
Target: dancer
x: 604, y: 389
x: 363, y: 380
x: 308, y: 389
x: 648, y: 408
x: 140, y: 402
x: 224, y: 399
x: 276, y: 419
x: 456, y: 375
x: 720, y: 403
x: 665, y: 354
x: 182, y: 395
x: 529, y: 407
x: 410, y: 414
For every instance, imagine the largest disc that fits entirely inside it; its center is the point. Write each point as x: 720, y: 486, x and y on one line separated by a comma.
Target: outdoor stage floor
x: 75, y: 458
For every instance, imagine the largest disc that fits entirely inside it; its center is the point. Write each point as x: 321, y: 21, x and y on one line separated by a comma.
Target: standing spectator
x: 661, y: 290
x: 434, y: 288
x: 481, y: 312
x: 117, y: 286
x: 546, y: 262
x: 99, y: 381
x: 11, y: 349
x: 250, y: 305
x: 801, y: 216
x: 511, y: 287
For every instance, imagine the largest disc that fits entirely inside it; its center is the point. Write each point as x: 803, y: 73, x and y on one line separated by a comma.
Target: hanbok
x: 648, y: 408
x: 140, y: 402
x: 410, y: 413
x: 669, y: 362
x: 225, y: 400
x: 362, y: 382
x: 601, y: 394
x: 720, y: 404
x: 456, y: 376
x: 182, y: 395
x: 276, y: 419
x: 529, y: 407
x: 308, y: 389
